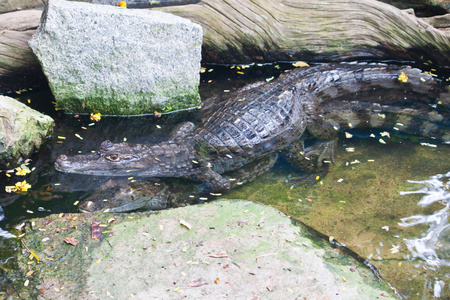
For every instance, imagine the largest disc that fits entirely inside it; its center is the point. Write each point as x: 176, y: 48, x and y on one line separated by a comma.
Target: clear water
x: 371, y: 200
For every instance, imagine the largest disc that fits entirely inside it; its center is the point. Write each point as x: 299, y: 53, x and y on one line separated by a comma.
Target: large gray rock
x: 220, y: 250
x: 22, y: 130
x: 118, y: 61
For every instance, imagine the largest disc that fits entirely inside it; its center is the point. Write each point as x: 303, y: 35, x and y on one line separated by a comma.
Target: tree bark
x: 18, y: 65
x: 241, y: 31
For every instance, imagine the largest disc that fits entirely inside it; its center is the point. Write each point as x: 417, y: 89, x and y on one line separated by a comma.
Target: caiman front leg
x: 213, y: 181
x: 310, y: 159
x: 221, y: 183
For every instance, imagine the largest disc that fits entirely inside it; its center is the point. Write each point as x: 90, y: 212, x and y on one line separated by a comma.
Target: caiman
x: 262, y: 119
x: 121, y: 195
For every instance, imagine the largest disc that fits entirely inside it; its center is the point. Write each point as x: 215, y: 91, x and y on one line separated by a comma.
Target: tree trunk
x: 240, y: 31
x: 18, y: 65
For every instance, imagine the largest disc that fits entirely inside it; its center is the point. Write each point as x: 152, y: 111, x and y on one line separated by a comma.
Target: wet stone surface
x: 233, y: 248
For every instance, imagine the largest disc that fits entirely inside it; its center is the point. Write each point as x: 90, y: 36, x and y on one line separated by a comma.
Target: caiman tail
x: 381, y: 96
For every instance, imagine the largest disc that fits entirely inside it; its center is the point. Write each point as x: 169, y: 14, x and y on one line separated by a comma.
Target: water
x: 358, y: 197
x: 3, y: 233
x: 438, y: 234
x: 433, y: 247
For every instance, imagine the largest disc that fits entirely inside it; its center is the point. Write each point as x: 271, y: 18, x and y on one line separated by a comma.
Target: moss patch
x: 234, y: 247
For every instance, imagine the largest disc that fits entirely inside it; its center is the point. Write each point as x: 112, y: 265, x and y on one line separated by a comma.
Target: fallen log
x: 270, y: 30
x: 18, y: 65
x: 238, y: 31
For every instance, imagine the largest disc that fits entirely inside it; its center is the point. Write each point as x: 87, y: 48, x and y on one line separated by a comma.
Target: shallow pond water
x: 367, y: 201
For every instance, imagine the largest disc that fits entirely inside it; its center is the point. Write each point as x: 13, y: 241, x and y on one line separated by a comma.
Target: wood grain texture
x: 16, y: 29
x: 250, y: 30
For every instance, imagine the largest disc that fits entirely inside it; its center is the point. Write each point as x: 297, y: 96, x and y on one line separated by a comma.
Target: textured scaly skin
x: 260, y: 120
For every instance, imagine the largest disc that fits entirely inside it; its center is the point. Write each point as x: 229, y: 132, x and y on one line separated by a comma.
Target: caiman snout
x: 61, y: 161
x: 61, y: 157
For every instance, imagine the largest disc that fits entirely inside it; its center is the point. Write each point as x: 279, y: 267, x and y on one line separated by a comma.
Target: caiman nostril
x: 62, y: 157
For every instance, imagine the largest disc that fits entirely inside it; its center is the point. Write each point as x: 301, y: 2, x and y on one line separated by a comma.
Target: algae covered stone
x: 22, y: 130
x: 237, y: 248
x: 113, y: 60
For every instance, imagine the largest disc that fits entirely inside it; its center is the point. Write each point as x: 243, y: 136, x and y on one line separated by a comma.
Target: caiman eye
x: 112, y: 157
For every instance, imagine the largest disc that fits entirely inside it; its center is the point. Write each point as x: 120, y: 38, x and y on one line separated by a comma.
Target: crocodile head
x: 168, y: 159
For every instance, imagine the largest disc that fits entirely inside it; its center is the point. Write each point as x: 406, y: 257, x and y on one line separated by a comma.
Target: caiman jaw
x: 122, y: 159
x: 66, y: 164
x: 111, y: 159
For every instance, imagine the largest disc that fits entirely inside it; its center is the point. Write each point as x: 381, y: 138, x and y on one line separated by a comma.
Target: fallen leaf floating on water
x: 71, y: 241
x: 348, y: 135
x: 22, y: 170
x: 403, y: 78
x: 96, y: 231
x: 97, y: 117
x: 300, y: 64
x: 395, y: 249
x: 22, y: 186
x: 185, y: 224
x: 385, y: 133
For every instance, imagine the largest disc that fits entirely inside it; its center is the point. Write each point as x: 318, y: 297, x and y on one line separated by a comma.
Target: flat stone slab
x: 22, y: 130
x: 115, y: 60
x: 232, y: 249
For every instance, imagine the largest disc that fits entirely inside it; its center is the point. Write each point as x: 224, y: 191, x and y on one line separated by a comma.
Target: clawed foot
x: 310, y: 159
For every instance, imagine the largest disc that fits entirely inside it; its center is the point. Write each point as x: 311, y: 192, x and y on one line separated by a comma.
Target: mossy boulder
x: 236, y: 248
x: 22, y: 130
x: 118, y: 61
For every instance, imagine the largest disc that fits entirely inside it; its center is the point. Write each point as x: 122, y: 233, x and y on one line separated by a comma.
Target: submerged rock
x: 118, y: 61
x: 236, y: 248
x: 22, y: 130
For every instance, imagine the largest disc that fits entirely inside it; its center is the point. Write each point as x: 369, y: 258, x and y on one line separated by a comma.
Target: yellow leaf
x: 122, y: 4
x: 22, y: 186
x: 97, y: 117
x: 300, y: 64
x: 403, y: 78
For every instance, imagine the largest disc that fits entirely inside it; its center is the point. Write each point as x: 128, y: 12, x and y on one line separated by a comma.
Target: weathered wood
x: 16, y: 58
x: 269, y: 30
x: 240, y: 31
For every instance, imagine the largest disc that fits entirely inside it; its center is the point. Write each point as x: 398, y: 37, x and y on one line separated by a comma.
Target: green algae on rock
x: 116, y: 61
x: 22, y: 130
x: 234, y: 247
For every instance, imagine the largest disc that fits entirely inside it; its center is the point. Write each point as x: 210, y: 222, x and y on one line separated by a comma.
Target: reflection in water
x: 433, y: 247
x: 438, y: 234
x: 4, y: 233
